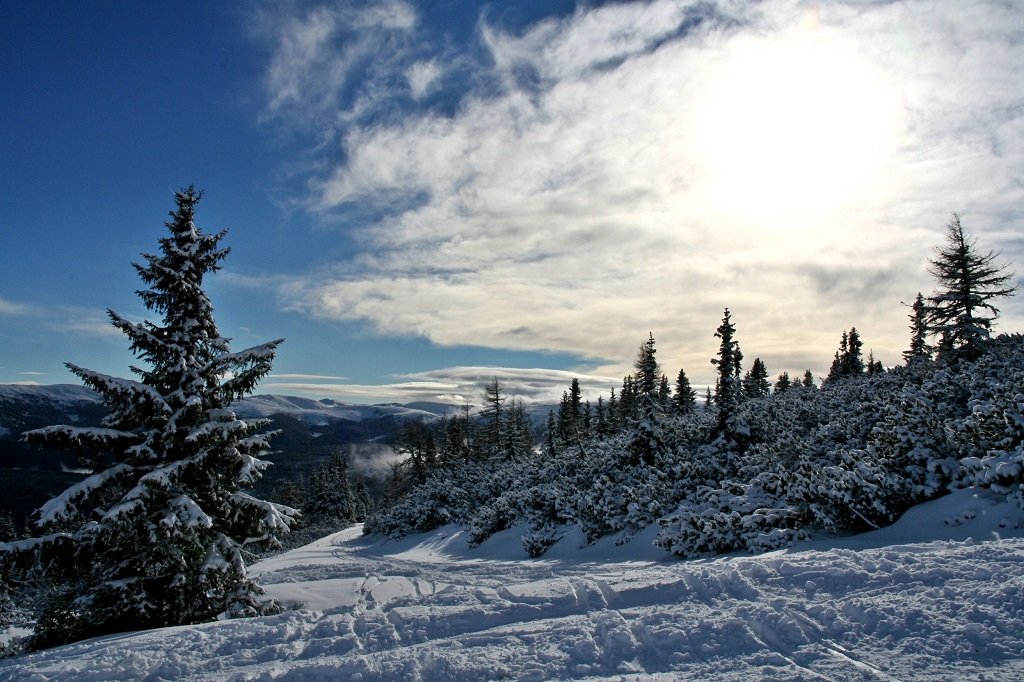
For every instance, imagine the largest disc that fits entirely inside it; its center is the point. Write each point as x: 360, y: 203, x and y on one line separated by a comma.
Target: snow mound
x: 939, y: 595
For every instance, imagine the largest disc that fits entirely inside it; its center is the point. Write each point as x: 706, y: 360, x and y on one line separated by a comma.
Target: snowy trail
x: 428, y: 608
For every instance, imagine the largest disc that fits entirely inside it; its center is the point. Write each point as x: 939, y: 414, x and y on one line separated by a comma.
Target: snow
x: 938, y: 595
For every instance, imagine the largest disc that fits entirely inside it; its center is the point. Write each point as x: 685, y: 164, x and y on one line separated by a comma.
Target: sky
x: 422, y: 196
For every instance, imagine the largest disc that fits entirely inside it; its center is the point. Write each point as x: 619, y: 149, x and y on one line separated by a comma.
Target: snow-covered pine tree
x: 648, y: 437
x: 157, y: 534
x: 961, y: 312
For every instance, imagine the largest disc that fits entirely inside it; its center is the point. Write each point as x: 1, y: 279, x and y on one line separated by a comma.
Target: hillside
x: 310, y: 431
x: 938, y: 595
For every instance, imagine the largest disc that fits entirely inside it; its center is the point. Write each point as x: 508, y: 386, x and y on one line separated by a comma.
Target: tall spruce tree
x: 156, y: 535
x: 961, y: 310
x: 728, y: 385
x: 494, y: 434
x: 648, y: 439
x: 918, y: 349
x: 648, y: 374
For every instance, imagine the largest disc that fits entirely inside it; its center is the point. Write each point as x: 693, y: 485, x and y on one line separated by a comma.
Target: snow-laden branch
x: 65, y: 504
x: 81, y: 437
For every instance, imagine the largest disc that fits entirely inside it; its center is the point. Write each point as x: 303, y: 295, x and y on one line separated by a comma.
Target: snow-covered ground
x: 937, y: 596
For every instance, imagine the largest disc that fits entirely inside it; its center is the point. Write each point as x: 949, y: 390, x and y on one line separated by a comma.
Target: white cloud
x: 73, y: 320
x: 641, y: 170
x: 315, y: 51
x: 455, y: 385
x: 422, y: 77
x: 305, y: 377
x: 10, y: 308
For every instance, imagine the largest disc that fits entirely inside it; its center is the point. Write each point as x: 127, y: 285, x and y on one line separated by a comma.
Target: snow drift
x: 938, y: 595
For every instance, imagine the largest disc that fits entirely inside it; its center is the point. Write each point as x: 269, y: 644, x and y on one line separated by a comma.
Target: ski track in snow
x: 428, y: 608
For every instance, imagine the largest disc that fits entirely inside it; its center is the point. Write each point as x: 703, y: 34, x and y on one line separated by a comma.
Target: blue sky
x: 421, y: 196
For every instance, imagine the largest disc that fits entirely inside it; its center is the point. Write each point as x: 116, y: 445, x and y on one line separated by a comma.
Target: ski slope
x: 937, y: 596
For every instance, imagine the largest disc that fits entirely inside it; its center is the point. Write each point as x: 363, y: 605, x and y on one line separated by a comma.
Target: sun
x: 794, y: 125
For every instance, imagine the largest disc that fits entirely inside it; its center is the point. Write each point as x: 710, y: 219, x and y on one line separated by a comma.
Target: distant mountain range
x: 311, y: 430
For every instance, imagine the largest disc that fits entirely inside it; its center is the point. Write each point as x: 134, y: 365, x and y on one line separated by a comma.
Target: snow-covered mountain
x: 937, y: 596
x: 72, y: 397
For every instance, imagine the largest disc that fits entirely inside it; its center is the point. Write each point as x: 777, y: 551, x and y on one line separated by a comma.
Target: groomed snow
x: 937, y: 596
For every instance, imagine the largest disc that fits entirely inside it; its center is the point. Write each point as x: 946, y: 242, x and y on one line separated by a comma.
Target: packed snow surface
x: 937, y: 596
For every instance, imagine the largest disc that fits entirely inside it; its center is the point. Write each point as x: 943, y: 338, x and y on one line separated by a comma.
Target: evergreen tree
x: 873, y: 366
x: 575, y: 403
x: 362, y: 503
x: 493, y: 417
x: 156, y: 535
x: 627, y: 401
x: 853, y: 363
x: 601, y: 417
x: 8, y: 531
x: 961, y: 309
x: 550, y: 440
x: 808, y: 380
x: 648, y: 440
x: 783, y: 383
x: 848, y: 361
x: 519, y: 439
x: 648, y: 374
x: 685, y: 397
x: 728, y: 386
x: 919, y: 349
x: 755, y: 382
x: 415, y: 443
x: 664, y: 392
x: 838, y: 368
x: 330, y: 497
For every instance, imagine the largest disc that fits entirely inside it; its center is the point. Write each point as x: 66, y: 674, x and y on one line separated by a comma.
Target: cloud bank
x: 455, y: 385
x: 571, y: 184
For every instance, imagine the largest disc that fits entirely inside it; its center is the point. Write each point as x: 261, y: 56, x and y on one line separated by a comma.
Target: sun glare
x: 794, y: 127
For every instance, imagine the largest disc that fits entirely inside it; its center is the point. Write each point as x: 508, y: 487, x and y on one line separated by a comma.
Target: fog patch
x: 373, y: 460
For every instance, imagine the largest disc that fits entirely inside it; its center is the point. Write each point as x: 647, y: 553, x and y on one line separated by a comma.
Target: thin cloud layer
x: 455, y: 385
x: 641, y: 166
